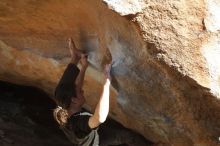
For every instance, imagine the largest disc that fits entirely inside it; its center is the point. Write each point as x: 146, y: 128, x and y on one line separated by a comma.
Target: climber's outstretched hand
x: 84, y: 61
x: 74, y: 52
x: 107, y: 71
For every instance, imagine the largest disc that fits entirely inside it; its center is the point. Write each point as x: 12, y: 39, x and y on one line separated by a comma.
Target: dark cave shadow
x: 38, y: 106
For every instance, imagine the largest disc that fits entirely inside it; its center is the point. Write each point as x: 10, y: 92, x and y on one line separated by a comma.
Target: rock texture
x: 166, y: 73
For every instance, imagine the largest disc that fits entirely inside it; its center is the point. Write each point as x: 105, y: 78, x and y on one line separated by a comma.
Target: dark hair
x: 63, y: 95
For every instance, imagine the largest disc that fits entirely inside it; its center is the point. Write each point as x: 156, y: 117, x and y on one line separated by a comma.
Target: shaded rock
x: 24, y: 127
x: 34, y: 123
x: 8, y: 140
x: 2, y: 134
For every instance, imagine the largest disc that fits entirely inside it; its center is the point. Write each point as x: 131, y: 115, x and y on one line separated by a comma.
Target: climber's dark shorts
x: 66, y: 85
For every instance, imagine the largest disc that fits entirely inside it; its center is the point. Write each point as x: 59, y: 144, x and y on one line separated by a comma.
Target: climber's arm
x: 102, y: 108
x: 80, y: 78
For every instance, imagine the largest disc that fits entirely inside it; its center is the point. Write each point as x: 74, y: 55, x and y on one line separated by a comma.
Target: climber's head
x: 68, y: 100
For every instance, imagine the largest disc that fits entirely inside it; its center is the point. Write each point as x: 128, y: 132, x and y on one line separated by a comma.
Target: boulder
x: 165, y: 54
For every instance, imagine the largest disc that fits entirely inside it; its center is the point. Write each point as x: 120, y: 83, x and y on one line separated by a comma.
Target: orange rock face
x: 165, y: 60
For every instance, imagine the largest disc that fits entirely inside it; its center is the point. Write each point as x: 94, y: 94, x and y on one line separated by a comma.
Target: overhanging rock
x: 166, y: 60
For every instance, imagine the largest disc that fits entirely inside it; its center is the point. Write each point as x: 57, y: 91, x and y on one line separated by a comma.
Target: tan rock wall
x: 163, y: 81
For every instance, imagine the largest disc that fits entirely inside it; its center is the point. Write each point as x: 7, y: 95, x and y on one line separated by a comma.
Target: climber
x: 80, y: 127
